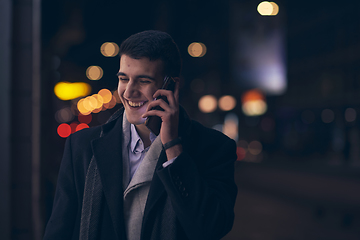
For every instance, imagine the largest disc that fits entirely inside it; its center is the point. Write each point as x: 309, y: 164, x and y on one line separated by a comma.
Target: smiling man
x: 121, y: 181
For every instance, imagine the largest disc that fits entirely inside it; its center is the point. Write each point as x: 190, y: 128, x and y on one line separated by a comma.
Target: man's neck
x: 144, y: 134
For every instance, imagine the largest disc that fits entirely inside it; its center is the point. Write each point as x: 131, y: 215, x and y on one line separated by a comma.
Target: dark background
x: 303, y: 185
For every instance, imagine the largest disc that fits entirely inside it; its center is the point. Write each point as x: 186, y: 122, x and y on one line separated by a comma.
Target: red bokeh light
x: 85, y: 118
x: 240, y: 152
x: 73, y: 126
x: 81, y: 126
x: 64, y: 130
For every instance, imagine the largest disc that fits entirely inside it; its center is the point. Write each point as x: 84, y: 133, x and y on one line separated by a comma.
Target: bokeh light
x: 230, y: 127
x: 110, y: 104
x: 64, y: 115
x: 96, y: 103
x: 255, y: 147
x: 252, y: 95
x: 73, y: 126
x: 94, y: 72
x: 92, y: 102
x: 268, y: 8
x: 227, y: 103
x: 116, y: 95
x: 68, y: 91
x: 253, y: 103
x: 241, y: 153
x: 109, y: 49
x: 85, y: 118
x: 106, y: 95
x: 350, y: 114
x: 197, y: 49
x: 81, y: 126
x: 207, y: 103
x: 327, y: 115
x: 254, y: 108
x: 81, y: 107
x: 64, y: 130
x: 275, y: 9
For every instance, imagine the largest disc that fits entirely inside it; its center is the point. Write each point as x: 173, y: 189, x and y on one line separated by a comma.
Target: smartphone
x: 154, y: 122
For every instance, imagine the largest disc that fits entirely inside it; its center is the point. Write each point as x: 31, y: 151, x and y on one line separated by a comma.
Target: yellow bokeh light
x: 275, y: 9
x: 81, y: 107
x: 268, y: 8
x: 99, y: 100
x: 68, y: 91
x: 106, y: 95
x: 92, y: 102
x: 207, y: 104
x: 254, y: 107
x: 87, y: 104
x: 109, y: 49
x: 197, y: 49
x: 227, y: 103
x: 94, y: 72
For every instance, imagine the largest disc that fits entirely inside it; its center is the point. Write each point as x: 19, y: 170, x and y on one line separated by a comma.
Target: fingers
x: 172, y: 97
x: 161, y: 103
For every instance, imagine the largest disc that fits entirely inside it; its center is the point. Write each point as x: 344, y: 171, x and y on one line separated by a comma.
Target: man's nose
x: 131, y: 90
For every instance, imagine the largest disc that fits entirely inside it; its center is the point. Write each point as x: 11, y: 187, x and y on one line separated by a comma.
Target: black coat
x: 193, y: 198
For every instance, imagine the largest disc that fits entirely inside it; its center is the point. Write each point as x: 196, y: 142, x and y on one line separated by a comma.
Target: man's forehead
x: 141, y: 64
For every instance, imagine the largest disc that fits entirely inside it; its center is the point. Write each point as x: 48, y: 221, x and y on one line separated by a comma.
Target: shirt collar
x: 135, y: 140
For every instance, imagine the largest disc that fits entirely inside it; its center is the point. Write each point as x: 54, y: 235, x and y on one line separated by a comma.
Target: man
x: 120, y: 181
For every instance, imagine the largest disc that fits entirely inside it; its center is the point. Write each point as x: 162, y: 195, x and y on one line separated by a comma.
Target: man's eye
x: 145, y: 81
x: 124, y: 79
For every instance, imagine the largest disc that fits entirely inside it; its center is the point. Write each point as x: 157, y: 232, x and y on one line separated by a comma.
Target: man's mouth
x: 136, y: 104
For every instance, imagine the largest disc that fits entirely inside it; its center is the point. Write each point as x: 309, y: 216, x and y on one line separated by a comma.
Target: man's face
x: 138, y: 81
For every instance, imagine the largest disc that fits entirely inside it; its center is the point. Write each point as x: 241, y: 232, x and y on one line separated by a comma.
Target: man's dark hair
x: 154, y: 45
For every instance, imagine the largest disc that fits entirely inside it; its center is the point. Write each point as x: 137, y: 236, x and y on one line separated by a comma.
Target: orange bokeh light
x: 106, y: 95
x: 81, y: 126
x: 252, y: 95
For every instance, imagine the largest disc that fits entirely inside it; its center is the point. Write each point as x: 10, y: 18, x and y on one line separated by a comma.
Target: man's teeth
x: 136, y: 104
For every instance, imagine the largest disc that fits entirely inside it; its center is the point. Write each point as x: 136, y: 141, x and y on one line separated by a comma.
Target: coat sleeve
x: 203, y: 192
x: 62, y: 221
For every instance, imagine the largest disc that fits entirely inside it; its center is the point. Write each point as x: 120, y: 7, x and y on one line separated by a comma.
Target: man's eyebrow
x: 120, y: 74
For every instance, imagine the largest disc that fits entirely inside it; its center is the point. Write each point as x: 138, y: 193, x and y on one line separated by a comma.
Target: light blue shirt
x: 137, y: 151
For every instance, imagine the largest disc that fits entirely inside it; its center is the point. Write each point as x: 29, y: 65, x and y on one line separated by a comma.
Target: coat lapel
x: 157, y: 189
x: 107, y: 152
